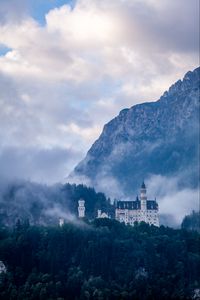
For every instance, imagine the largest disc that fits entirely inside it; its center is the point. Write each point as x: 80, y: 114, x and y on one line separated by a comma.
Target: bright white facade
x: 2, y: 267
x: 81, y: 208
x: 101, y: 214
x: 61, y: 222
x: 139, y: 210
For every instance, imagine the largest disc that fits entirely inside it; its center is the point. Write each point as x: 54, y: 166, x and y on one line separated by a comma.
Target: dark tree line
x: 99, y: 260
x: 192, y: 221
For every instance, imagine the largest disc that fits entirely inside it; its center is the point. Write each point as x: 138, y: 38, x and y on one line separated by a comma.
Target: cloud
x: 63, y: 80
x: 40, y: 204
x: 173, y: 201
x: 12, y: 10
x: 56, y: 212
x: 40, y: 165
x: 123, y: 36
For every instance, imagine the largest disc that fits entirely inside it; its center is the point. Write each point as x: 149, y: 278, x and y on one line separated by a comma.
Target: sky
x: 69, y: 67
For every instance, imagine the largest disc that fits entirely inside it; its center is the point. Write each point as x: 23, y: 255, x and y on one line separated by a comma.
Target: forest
x: 44, y: 205
x: 102, y: 259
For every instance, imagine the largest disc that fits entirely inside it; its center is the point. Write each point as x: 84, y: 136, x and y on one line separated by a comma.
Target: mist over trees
x: 44, y: 205
x: 95, y: 259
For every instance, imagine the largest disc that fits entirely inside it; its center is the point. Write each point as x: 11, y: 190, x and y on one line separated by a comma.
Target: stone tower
x: 143, y: 201
x: 61, y: 222
x: 81, y: 208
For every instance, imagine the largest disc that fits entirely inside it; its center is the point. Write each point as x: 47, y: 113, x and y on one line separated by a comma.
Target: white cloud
x: 173, y: 201
x: 84, y: 25
x: 62, y: 81
x: 87, y: 134
x: 122, y: 37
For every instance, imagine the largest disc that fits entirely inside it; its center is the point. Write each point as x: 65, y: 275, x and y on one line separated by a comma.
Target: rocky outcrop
x: 159, y: 137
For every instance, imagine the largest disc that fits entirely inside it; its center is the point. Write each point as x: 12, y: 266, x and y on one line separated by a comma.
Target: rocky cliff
x: 159, y: 137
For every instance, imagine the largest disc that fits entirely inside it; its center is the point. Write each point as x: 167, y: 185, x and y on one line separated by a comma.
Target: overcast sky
x: 67, y: 68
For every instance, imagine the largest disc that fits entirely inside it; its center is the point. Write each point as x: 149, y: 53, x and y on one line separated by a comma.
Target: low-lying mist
x: 175, y: 201
x: 43, y: 204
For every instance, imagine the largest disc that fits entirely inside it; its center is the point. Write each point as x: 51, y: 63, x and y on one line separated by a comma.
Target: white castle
x: 138, y: 210
x: 130, y: 212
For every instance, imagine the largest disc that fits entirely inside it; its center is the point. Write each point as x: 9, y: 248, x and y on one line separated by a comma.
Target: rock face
x: 159, y: 137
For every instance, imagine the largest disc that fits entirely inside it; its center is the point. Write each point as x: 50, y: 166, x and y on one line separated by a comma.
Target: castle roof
x: 136, y: 205
x: 128, y: 205
x: 143, y: 186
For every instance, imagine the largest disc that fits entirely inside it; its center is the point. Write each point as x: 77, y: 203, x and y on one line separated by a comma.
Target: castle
x: 130, y: 212
x: 138, y: 210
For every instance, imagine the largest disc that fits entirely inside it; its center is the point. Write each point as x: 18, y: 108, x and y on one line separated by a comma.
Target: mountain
x: 153, y: 138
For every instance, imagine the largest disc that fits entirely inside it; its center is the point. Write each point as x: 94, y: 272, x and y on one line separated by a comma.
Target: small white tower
x: 61, y: 222
x: 81, y: 208
x: 2, y: 267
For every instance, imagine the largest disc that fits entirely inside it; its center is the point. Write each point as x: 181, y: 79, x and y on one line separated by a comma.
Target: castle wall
x: 130, y: 216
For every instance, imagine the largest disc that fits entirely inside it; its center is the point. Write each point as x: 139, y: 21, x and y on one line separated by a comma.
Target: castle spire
x: 143, y: 186
x: 143, y: 196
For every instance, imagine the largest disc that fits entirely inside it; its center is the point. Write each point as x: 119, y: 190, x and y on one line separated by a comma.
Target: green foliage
x: 101, y: 260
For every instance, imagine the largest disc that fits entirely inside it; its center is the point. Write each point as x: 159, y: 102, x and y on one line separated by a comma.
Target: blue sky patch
x: 4, y: 50
x: 39, y: 8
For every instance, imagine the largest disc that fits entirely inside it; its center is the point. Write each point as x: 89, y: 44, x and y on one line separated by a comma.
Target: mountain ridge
x: 158, y: 137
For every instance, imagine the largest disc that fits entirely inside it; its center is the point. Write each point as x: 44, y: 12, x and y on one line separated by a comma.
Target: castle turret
x: 81, y: 208
x: 143, y: 197
x: 61, y: 222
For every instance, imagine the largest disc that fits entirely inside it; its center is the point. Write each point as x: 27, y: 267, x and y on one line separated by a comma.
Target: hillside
x: 104, y: 260
x: 44, y: 205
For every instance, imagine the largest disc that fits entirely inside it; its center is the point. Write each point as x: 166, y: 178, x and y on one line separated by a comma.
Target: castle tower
x: 81, y: 208
x: 61, y: 222
x: 143, y: 197
x: 99, y: 213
